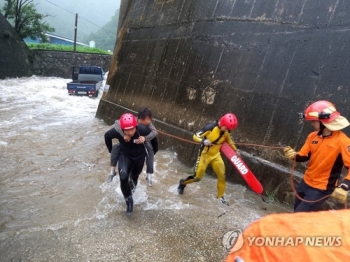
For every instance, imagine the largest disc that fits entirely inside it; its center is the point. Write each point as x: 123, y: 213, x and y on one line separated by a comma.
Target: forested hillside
x: 106, y: 36
x: 92, y: 17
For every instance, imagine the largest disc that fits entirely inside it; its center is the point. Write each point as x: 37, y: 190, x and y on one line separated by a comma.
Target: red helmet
x: 127, y: 121
x: 322, y: 110
x: 229, y: 120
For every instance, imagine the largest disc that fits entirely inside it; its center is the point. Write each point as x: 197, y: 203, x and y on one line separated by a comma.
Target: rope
x: 178, y: 138
x: 296, y: 193
x: 264, y: 146
x: 196, y: 143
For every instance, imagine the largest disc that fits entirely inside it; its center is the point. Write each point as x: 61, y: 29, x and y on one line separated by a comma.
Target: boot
x: 129, y: 205
x: 149, y: 179
x: 110, y: 178
x: 181, y: 187
x: 223, y: 201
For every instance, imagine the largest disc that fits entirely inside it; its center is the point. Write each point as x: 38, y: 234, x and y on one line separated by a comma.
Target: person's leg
x: 218, y: 166
x: 316, y: 197
x: 114, y: 160
x: 200, y: 171
x: 124, y: 168
x: 301, y: 193
x: 149, y: 164
x: 136, y: 170
x: 219, y: 169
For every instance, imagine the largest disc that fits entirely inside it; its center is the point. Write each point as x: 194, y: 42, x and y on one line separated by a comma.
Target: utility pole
x: 75, y: 31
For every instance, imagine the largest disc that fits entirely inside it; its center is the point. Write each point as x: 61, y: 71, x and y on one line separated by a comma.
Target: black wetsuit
x: 132, y: 157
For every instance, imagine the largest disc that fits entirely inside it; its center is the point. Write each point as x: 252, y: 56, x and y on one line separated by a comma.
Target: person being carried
x: 132, y: 154
x: 144, y: 117
x: 211, y: 137
x: 327, y: 149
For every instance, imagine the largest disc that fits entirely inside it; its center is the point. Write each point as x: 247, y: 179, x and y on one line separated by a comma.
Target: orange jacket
x: 302, y: 236
x: 327, y: 156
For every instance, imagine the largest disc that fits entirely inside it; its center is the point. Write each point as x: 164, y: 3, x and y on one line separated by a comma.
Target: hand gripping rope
x: 272, y: 147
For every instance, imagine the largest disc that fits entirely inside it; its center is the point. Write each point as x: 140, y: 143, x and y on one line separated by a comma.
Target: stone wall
x: 59, y: 64
x: 193, y: 61
x: 14, y: 53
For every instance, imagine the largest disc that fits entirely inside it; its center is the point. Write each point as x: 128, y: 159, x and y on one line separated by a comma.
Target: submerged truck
x: 87, y: 80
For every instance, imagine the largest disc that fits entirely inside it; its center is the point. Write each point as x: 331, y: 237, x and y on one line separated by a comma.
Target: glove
x: 289, y: 152
x: 206, y: 142
x: 341, y: 193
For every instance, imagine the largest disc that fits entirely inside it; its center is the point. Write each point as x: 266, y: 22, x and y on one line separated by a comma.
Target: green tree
x: 25, y: 19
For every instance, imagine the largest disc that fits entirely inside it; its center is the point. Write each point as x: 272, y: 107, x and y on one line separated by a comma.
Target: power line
x: 60, y: 7
x: 81, y: 17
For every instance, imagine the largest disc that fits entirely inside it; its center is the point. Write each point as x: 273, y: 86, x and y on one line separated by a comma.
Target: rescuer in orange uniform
x: 211, y: 137
x: 327, y: 149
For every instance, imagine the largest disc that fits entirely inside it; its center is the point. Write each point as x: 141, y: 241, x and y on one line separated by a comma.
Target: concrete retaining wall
x: 192, y: 61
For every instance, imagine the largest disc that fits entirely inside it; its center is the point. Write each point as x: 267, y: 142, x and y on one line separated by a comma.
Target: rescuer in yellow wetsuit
x: 211, y: 137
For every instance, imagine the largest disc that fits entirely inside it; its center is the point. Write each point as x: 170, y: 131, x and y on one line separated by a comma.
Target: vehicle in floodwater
x: 87, y: 80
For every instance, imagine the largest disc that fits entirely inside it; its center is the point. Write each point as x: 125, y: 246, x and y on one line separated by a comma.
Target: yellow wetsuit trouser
x: 218, y: 166
x: 211, y: 155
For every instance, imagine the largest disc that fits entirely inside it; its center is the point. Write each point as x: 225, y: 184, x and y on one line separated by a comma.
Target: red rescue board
x: 242, y: 168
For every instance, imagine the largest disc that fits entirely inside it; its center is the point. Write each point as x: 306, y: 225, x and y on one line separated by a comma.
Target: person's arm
x: 299, y: 158
x: 201, y: 134
x: 109, y: 135
x: 341, y: 191
x: 154, y: 143
x: 143, y: 130
x: 230, y: 142
x: 346, y: 160
x: 305, y: 152
x: 117, y: 127
x: 153, y: 132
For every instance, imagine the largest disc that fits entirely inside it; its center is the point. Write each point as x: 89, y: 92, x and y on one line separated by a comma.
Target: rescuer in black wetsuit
x: 133, y: 152
x: 144, y: 118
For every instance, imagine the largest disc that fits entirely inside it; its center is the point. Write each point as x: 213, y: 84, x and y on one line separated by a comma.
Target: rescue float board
x: 242, y: 168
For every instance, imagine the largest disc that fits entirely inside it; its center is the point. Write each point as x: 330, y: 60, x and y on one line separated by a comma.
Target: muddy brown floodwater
x: 56, y: 206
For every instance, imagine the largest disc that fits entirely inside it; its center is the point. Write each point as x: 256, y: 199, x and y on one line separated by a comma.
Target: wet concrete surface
x: 191, y: 234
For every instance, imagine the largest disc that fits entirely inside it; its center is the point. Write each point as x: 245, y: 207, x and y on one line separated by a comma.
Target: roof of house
x: 64, y: 38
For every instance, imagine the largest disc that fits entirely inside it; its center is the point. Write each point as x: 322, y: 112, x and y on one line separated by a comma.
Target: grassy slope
x: 46, y: 46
